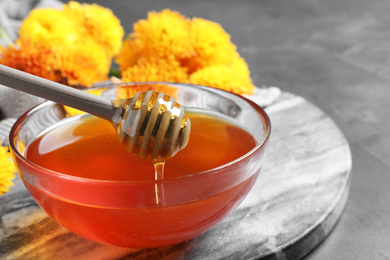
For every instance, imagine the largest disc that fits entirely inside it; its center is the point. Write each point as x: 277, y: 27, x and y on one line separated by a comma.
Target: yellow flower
x: 33, y: 58
x: 97, y: 22
x: 49, y: 26
x: 7, y: 170
x: 81, y: 63
x: 72, y: 46
x: 234, y: 78
x: 155, y: 69
x: 129, y: 53
x: 164, y: 34
x: 212, y: 45
x: 168, y: 46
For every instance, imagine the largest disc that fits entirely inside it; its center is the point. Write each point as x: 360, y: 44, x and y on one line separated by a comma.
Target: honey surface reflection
x: 88, y: 147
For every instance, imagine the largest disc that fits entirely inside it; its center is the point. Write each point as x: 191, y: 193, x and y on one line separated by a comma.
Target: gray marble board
x: 297, y: 200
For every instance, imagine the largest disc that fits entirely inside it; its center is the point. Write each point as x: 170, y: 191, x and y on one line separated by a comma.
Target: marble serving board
x: 300, y: 194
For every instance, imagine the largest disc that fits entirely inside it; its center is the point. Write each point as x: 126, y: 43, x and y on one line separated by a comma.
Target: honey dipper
x: 151, y: 124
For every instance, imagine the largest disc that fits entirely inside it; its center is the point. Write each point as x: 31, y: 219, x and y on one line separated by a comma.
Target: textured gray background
x: 334, y: 53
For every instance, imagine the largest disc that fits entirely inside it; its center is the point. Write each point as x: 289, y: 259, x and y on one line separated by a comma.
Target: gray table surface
x: 335, y: 54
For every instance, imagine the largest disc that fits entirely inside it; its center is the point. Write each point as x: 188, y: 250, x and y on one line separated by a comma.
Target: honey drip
x: 152, y: 126
x: 159, y: 175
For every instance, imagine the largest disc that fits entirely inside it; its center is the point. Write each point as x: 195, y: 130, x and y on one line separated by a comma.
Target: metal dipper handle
x: 151, y: 124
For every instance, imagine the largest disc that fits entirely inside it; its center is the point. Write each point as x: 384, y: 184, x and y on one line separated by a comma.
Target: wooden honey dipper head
x: 152, y: 125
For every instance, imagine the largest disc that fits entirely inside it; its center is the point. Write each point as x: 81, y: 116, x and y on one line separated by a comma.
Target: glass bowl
x: 125, y: 213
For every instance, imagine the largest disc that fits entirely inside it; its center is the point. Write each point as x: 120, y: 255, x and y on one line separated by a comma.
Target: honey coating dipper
x: 154, y: 125
x: 151, y: 124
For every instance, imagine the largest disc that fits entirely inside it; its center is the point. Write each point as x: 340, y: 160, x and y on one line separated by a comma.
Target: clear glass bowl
x: 96, y: 210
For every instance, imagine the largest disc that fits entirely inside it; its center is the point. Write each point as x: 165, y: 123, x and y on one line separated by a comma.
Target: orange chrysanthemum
x: 34, y: 58
x: 212, y: 45
x: 97, y: 22
x: 129, y: 53
x: 49, y: 26
x: 234, y: 78
x: 155, y: 69
x: 7, y: 170
x: 73, y: 46
x: 202, y: 51
x: 82, y: 63
x: 164, y: 34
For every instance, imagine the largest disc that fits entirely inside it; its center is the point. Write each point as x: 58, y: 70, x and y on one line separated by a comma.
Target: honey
x: 88, y: 147
x: 131, y: 209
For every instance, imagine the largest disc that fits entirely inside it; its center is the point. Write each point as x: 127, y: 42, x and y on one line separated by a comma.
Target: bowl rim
x: 259, y: 109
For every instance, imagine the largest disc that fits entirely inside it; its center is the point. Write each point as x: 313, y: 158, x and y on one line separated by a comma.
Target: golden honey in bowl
x: 144, y: 212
